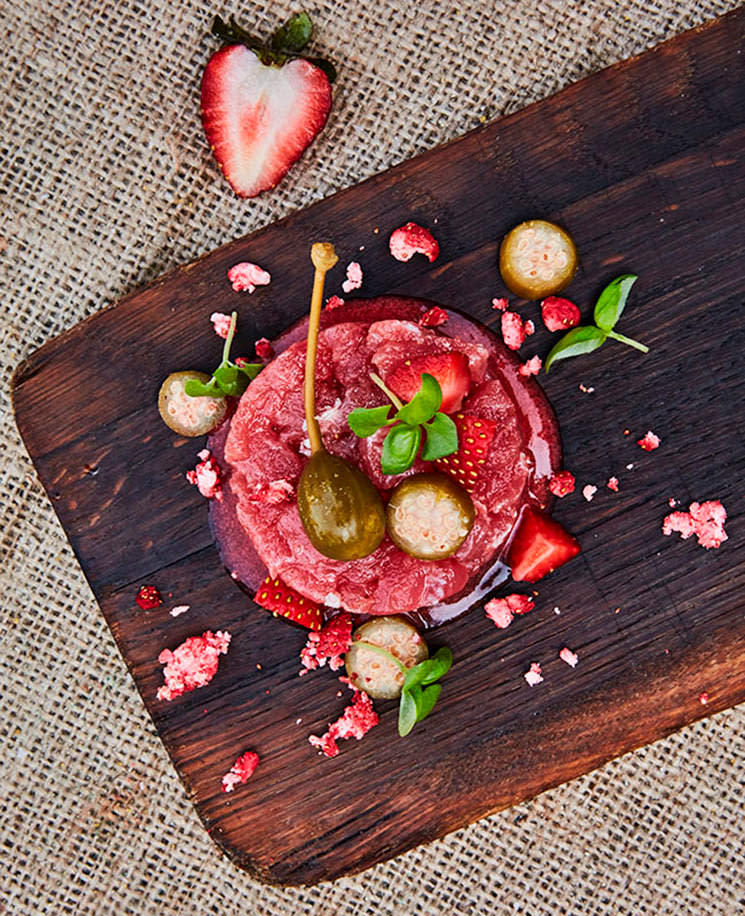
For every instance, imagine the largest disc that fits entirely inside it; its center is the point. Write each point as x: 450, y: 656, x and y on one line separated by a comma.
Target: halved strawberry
x: 284, y: 601
x: 262, y: 106
x: 540, y: 546
x: 475, y: 435
x: 450, y: 370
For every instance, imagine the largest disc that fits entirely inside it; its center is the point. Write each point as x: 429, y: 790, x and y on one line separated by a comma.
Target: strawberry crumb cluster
x: 515, y: 330
x: 531, y: 367
x: 705, y: 520
x: 327, y: 645
x: 334, y: 302
x: 264, y: 349
x: 221, y: 324
x: 501, y: 611
x: 566, y: 655
x: 245, y: 277
x: 588, y: 491
x: 501, y: 305
x: 207, y: 476
x: 434, y: 317
x: 562, y: 483
x: 559, y: 314
x: 355, y: 722
x: 649, y: 442
x: 192, y: 664
x: 148, y: 597
x: 533, y: 675
x: 241, y: 771
x: 612, y: 484
x: 354, y: 277
x: 411, y: 239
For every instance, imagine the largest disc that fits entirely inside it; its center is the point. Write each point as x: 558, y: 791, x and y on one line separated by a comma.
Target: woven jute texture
x: 106, y: 182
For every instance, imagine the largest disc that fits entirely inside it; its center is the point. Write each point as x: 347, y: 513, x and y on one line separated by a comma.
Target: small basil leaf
x: 400, y: 448
x: 294, y: 35
x: 441, y: 437
x: 416, y: 674
x: 365, y: 421
x: 250, y: 369
x: 612, y: 301
x: 328, y: 68
x: 407, y: 713
x: 576, y: 342
x: 426, y: 701
x: 225, y: 375
x: 440, y: 664
x: 425, y: 403
x: 196, y: 389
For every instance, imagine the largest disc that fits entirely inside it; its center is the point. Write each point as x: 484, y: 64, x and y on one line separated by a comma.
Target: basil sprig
x: 229, y: 378
x: 420, y: 419
x: 419, y: 692
x: 608, y: 309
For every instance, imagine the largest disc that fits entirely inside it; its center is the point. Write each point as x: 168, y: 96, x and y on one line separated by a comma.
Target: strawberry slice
x: 540, y: 546
x: 284, y: 601
x: 450, y: 370
x: 475, y: 435
x: 262, y: 106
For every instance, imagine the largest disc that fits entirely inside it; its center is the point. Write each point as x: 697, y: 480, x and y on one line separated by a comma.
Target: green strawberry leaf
x: 425, y: 403
x: 441, y: 437
x: 407, y: 714
x: 612, y: 301
x: 400, y: 448
x: 294, y: 35
x: 576, y: 342
x: 366, y: 421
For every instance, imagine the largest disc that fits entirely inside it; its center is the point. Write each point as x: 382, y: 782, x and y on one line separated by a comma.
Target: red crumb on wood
x: 649, y: 442
x: 355, y: 722
x: 562, y: 483
x: 566, y: 655
x: 531, y: 367
x: 588, y: 491
x: 207, y: 476
x: 354, y: 277
x: 192, y: 664
x: 502, y: 610
x: 245, y: 277
x: 705, y: 520
x: 500, y: 304
x: 515, y: 330
x: 533, y: 675
x: 703, y: 698
x: 148, y: 597
x: 328, y: 644
x: 241, y: 771
x: 411, y: 239
x: 612, y: 484
x: 221, y: 323
x: 559, y: 314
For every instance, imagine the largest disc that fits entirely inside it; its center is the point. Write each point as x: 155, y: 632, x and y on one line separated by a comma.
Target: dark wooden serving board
x: 645, y: 164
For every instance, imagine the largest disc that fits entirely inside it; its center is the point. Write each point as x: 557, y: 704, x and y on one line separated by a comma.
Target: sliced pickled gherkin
x: 537, y: 259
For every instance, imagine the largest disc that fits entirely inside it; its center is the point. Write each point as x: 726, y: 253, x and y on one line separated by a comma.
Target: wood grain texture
x: 645, y: 164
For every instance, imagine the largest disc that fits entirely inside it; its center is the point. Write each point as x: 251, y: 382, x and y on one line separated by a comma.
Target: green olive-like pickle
x: 429, y: 515
x: 340, y: 509
x: 186, y: 415
x: 537, y: 259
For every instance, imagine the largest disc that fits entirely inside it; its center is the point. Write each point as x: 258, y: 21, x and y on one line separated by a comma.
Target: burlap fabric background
x: 107, y: 182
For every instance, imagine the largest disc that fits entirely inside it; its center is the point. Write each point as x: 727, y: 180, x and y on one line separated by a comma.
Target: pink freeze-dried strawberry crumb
x: 514, y: 330
x: 207, y: 476
x: 501, y: 610
x: 192, y: 664
x: 241, y: 771
x: 273, y: 493
x: 434, y: 317
x: 221, y: 323
x: 264, y: 349
x: 245, y: 277
x: 411, y: 239
x: 559, y: 314
x: 355, y: 722
x: 649, y: 442
x: 354, y: 277
x: 531, y: 367
x: 612, y: 484
x: 500, y: 304
x: 533, y: 675
x: 334, y: 302
x: 588, y: 491
x: 566, y: 655
x: 703, y: 698
x: 328, y: 644
x: 241, y: 361
x: 148, y: 597
x: 562, y: 483
x: 705, y: 520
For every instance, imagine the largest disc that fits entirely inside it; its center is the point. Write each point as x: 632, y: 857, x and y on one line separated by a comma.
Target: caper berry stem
x: 229, y: 338
x: 614, y: 335
x: 324, y: 257
x: 384, y: 652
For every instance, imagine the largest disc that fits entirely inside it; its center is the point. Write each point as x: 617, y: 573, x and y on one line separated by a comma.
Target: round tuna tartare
x: 509, y: 448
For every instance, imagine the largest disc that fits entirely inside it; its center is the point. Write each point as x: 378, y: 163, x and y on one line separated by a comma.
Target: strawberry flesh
x: 540, y: 546
x: 450, y: 370
x: 284, y: 601
x: 475, y: 435
x: 259, y: 118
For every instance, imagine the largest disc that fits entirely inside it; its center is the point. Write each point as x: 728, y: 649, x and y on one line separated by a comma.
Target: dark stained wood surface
x: 645, y: 164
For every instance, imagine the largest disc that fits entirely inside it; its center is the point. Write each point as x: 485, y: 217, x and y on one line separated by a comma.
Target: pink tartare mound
x: 241, y: 771
x: 355, y: 722
x: 245, y: 277
x: 192, y: 664
x: 411, y: 239
x: 705, y: 520
x: 265, y: 451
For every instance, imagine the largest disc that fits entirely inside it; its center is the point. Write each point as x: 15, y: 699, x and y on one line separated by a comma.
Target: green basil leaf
x: 580, y: 340
x: 225, y: 374
x: 400, y: 448
x: 294, y: 35
x: 196, y: 389
x: 328, y: 68
x: 365, y: 421
x: 250, y: 369
x: 425, y: 403
x: 426, y: 701
x: 441, y: 437
x: 407, y: 713
x: 612, y: 301
x: 440, y: 664
x: 416, y: 674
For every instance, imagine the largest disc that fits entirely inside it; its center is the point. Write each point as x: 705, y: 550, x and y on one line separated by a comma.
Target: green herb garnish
x: 419, y: 692
x: 229, y: 378
x: 420, y: 419
x: 608, y: 309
